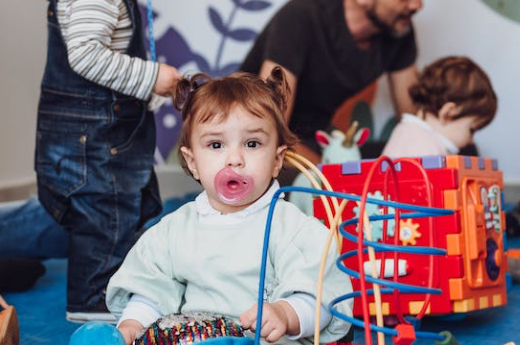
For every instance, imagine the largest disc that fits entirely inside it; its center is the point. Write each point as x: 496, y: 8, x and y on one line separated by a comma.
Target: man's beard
x: 388, y: 29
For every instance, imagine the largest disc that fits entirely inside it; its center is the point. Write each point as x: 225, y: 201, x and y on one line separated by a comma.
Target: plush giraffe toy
x: 338, y: 147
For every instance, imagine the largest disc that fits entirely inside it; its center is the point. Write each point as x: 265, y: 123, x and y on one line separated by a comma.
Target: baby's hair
x: 202, y: 98
x: 458, y: 80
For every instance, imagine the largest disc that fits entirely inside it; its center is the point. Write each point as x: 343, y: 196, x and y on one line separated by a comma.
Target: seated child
x: 206, y: 256
x: 454, y: 98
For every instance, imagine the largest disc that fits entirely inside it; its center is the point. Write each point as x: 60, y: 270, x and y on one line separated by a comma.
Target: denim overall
x: 94, y: 164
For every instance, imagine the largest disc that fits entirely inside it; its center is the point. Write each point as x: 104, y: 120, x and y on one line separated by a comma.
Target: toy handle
x: 261, y: 284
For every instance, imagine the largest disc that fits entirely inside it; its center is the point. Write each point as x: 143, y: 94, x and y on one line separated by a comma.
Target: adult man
x: 331, y: 50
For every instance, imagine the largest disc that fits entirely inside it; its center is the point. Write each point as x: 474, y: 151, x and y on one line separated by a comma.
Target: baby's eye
x: 215, y: 145
x: 253, y: 143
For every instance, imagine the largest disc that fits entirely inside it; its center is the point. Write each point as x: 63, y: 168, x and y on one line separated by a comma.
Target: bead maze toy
x: 469, y: 272
x: 472, y: 273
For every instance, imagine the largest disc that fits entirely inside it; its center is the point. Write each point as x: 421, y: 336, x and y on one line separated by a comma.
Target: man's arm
x: 400, y: 81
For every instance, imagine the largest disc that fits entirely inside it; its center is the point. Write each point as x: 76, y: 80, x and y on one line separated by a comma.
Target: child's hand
x: 129, y: 330
x: 278, y: 319
x: 166, y: 80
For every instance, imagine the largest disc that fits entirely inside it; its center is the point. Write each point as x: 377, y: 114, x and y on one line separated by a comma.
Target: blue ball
x: 96, y: 333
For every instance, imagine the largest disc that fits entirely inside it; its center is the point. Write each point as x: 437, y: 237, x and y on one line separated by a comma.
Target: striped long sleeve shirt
x: 97, y: 33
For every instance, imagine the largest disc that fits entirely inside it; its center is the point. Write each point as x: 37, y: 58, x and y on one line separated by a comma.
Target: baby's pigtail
x: 182, y: 96
x: 277, y: 82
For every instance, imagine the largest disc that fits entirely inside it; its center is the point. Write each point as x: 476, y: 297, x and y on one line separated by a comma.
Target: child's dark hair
x: 202, y: 98
x: 458, y: 80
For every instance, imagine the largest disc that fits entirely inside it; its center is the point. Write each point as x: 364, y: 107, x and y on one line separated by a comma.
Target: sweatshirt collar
x: 448, y: 144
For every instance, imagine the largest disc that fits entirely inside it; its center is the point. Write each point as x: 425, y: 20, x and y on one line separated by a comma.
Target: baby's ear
x: 448, y: 111
x: 187, y: 153
x: 278, y: 160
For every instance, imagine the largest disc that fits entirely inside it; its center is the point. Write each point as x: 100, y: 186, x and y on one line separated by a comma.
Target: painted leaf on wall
x: 217, y: 21
x: 242, y: 35
x: 253, y: 5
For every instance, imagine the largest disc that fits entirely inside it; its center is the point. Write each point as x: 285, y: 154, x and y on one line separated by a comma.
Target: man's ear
x: 278, y: 160
x: 448, y: 111
x: 187, y: 153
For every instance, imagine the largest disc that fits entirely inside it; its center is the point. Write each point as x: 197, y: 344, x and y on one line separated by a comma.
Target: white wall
x: 23, y: 38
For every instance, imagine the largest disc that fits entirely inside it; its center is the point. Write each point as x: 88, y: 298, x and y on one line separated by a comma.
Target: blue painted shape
x: 494, y: 164
x: 217, y: 21
x: 384, y: 166
x: 481, y: 163
x: 242, y: 35
x: 351, y: 168
x: 467, y: 162
x: 252, y: 5
x: 433, y: 162
x: 96, y: 333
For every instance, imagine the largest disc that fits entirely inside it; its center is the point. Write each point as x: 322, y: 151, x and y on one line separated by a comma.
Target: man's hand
x: 278, y: 319
x: 129, y: 330
x: 167, y: 78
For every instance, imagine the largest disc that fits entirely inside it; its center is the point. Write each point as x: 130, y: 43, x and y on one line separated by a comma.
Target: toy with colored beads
x: 189, y: 329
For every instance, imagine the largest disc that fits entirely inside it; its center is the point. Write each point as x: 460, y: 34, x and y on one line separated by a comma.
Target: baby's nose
x: 235, y: 158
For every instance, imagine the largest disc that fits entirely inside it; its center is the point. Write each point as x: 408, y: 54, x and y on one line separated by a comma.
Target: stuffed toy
x: 338, y: 147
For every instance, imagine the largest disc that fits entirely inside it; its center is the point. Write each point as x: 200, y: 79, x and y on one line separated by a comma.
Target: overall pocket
x: 61, y: 141
x: 128, y: 125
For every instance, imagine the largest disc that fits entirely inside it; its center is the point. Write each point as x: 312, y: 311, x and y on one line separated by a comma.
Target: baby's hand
x: 278, y: 319
x: 129, y: 330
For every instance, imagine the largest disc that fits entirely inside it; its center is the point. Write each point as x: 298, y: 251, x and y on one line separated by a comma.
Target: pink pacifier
x: 232, y: 187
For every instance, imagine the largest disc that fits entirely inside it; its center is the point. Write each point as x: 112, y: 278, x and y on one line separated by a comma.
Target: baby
x: 454, y: 98
x: 206, y: 256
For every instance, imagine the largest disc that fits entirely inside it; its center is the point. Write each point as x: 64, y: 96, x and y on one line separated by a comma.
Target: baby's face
x: 460, y: 131
x: 235, y: 159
